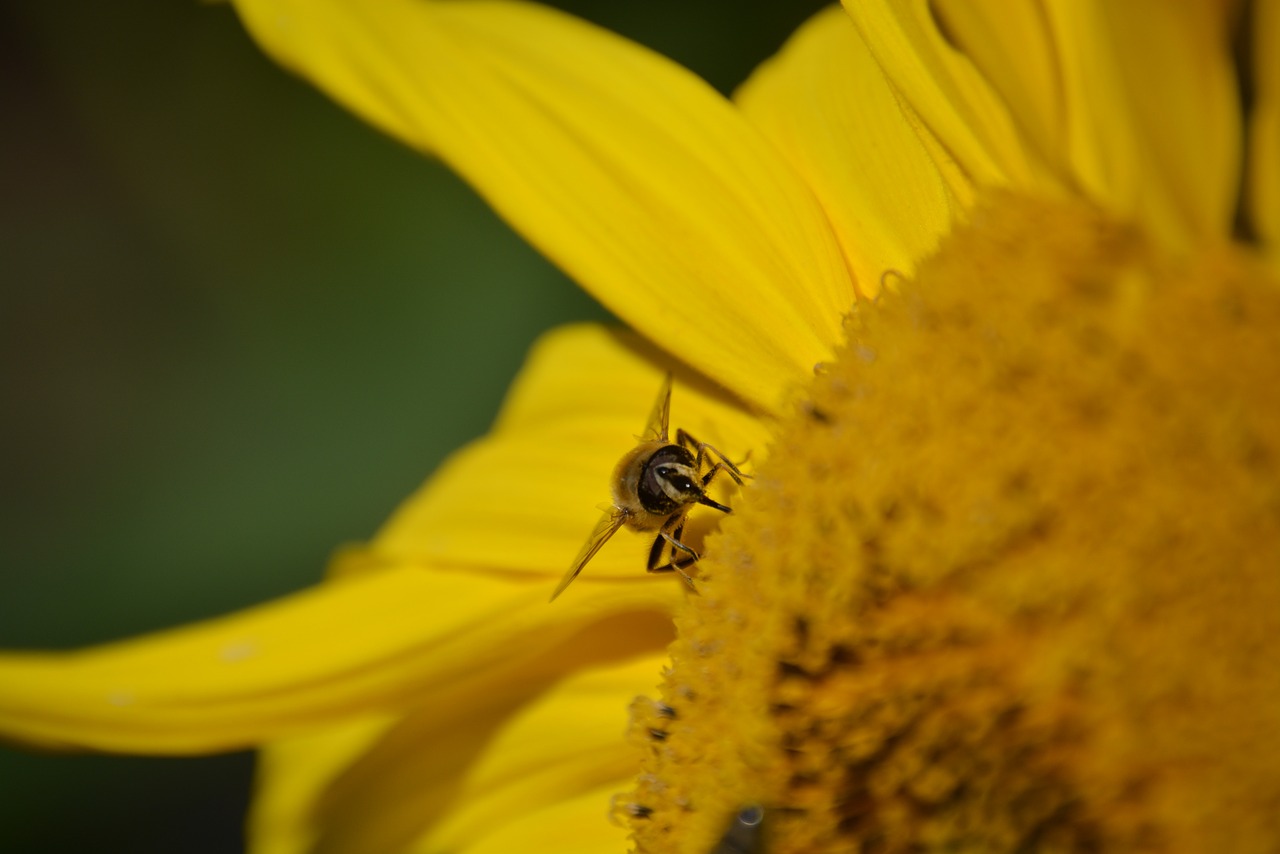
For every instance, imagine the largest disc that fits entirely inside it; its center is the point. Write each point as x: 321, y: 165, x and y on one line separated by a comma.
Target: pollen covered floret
x: 1009, y: 579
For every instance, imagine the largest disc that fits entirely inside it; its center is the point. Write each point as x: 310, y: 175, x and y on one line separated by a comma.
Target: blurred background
x: 238, y: 327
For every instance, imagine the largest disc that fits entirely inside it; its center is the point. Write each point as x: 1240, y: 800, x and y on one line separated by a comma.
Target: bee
x: 655, y: 485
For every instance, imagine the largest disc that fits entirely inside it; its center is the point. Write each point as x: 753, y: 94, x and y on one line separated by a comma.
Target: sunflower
x: 987, y: 293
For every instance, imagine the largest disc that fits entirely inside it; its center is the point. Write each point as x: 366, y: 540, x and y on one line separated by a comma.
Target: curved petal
x: 552, y: 748
x: 1134, y: 103
x: 525, y: 498
x: 1176, y: 75
x: 292, y: 776
x: 447, y: 773
x: 569, y: 742
x: 576, y: 826
x: 1013, y: 46
x: 1262, y: 190
x: 464, y: 570
x: 378, y: 641
x: 968, y: 121
x: 825, y: 103
x: 628, y: 171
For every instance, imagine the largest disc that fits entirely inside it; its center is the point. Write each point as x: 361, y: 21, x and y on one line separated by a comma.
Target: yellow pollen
x: 1009, y: 580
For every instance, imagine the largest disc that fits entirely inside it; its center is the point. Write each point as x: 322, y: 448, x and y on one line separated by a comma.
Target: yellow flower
x: 1006, y: 576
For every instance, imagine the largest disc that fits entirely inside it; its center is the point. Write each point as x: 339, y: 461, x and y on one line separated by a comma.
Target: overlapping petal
x: 1132, y: 104
x: 570, y: 827
x: 441, y: 779
x: 1262, y: 192
x: 439, y: 597
x: 628, y: 171
x: 827, y: 106
x: 1175, y: 81
x: 346, y: 648
x: 293, y: 774
x: 1013, y: 46
x: 961, y: 118
x: 565, y: 744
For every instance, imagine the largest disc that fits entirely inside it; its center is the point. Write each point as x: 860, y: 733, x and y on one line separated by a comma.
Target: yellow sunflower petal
x: 969, y: 122
x: 825, y: 103
x: 448, y: 780
x: 628, y: 171
x: 525, y: 498
x: 575, y: 826
x: 371, y: 642
x: 473, y: 755
x: 465, y: 570
x: 1013, y: 45
x: 1175, y: 68
x: 580, y: 825
x: 292, y: 776
x: 1263, y: 187
x: 569, y: 742
x: 1134, y: 103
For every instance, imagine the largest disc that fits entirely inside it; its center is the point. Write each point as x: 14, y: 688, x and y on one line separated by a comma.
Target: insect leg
x: 677, y: 545
x: 685, y: 440
x: 709, y: 502
x: 672, y: 538
x: 655, y: 553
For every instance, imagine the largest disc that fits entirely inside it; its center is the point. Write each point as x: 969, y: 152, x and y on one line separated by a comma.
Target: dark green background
x: 237, y: 327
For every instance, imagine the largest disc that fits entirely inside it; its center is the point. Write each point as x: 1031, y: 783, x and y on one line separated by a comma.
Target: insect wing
x: 656, y: 427
x: 608, y: 525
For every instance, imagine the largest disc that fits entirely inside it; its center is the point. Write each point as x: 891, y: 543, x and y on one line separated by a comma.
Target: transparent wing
x: 656, y: 427
x: 608, y: 525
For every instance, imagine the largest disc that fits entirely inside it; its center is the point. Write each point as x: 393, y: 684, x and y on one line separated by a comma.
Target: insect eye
x: 680, y: 481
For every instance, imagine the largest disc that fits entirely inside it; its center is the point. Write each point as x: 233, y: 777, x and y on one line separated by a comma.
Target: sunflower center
x: 1009, y: 579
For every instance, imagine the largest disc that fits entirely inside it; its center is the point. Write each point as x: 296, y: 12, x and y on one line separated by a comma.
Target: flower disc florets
x: 1010, y: 578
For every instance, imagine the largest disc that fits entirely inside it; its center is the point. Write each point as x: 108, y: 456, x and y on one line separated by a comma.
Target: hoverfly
x: 655, y: 485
